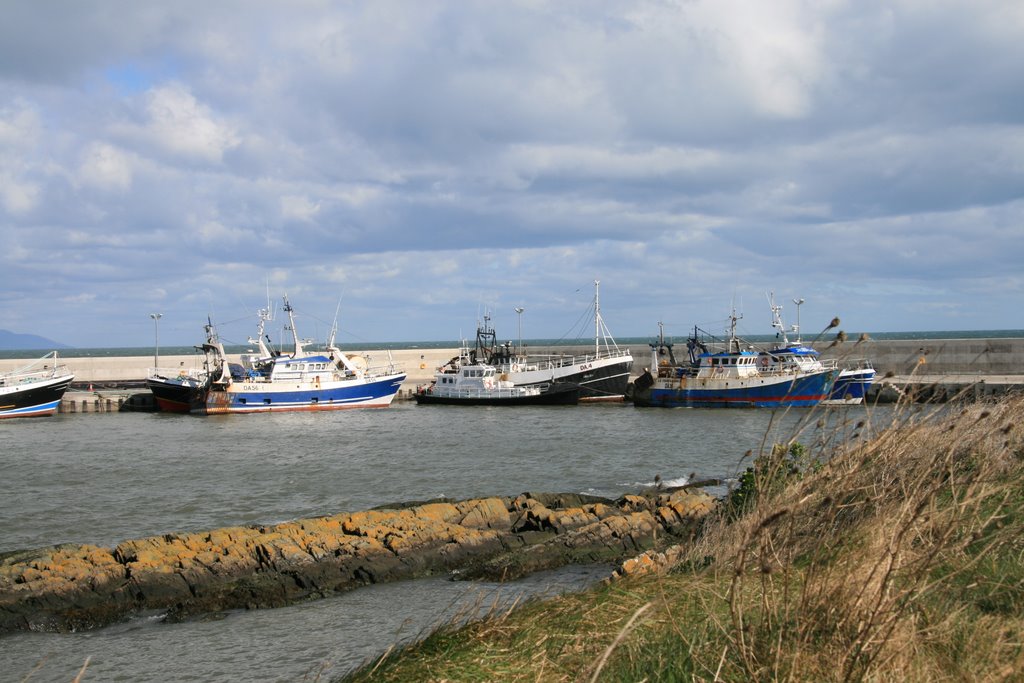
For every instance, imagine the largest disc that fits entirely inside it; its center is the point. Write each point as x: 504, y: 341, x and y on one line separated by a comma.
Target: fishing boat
x: 270, y: 381
x: 175, y: 393
x: 738, y: 377
x: 602, y: 375
x: 852, y: 384
x: 462, y: 382
x: 34, y: 391
x: 854, y: 377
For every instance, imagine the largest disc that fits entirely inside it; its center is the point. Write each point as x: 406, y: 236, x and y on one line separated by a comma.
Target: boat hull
x: 753, y: 392
x: 851, y: 386
x: 557, y: 394
x: 173, y: 396
x: 599, y: 380
x: 34, y: 399
x: 265, y: 397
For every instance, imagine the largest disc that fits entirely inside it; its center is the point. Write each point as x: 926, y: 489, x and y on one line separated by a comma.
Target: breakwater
x: 930, y: 368
x: 72, y: 586
x: 937, y: 370
x: 935, y: 357
x: 992, y: 356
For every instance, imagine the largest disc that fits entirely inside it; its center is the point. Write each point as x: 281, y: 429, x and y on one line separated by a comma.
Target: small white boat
x: 34, y: 391
x: 462, y: 382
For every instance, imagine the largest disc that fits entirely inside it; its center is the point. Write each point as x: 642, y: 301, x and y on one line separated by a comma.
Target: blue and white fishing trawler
x: 34, y: 391
x: 853, y: 380
x: 735, y: 378
x: 270, y: 381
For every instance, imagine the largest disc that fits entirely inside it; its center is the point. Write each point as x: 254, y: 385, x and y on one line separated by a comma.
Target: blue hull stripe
x: 358, y: 395
x: 47, y: 408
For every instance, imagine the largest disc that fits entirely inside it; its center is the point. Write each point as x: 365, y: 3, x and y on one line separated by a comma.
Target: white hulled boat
x: 464, y: 382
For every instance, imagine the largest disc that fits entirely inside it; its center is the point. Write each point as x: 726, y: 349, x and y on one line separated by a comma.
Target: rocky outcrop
x: 79, y: 586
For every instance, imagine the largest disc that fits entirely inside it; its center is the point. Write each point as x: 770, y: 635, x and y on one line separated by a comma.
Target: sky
x: 408, y: 167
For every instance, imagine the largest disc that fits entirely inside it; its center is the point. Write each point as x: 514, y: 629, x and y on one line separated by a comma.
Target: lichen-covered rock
x: 72, y: 586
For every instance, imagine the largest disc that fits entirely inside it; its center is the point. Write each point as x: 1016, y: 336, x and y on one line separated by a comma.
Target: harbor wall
x: 898, y: 357
x: 418, y: 364
x: 904, y: 357
x: 935, y: 356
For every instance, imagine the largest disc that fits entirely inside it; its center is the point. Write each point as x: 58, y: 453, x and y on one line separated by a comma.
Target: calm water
x: 102, y: 478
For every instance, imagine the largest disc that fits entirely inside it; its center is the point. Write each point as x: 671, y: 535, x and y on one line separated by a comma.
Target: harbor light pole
x: 519, y: 312
x: 156, y: 334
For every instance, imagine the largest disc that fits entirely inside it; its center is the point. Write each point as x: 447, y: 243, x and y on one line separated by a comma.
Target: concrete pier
x: 936, y: 370
x: 930, y: 368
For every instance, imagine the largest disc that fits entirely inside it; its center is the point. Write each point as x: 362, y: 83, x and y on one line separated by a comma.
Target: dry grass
x: 901, y: 558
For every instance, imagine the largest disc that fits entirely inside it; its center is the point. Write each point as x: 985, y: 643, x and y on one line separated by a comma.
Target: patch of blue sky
x: 131, y: 78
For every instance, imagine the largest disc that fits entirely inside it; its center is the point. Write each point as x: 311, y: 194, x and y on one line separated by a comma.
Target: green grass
x: 900, y: 559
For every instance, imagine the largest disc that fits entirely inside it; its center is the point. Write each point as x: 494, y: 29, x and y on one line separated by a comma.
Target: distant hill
x: 13, y: 340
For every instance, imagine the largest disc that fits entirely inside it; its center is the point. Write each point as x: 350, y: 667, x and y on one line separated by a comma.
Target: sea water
x: 105, y: 477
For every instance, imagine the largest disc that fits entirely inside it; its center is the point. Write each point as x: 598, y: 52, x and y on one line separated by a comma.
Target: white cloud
x: 17, y: 196
x: 20, y: 126
x: 299, y: 208
x: 182, y: 125
x: 105, y: 167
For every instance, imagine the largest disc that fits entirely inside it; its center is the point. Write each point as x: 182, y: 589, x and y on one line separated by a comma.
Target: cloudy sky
x: 419, y: 163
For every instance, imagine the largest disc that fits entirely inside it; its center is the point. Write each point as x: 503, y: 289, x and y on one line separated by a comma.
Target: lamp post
x: 519, y: 312
x: 156, y: 334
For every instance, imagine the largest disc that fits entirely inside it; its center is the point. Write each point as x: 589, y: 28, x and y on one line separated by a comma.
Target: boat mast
x: 597, y: 318
x: 334, y: 327
x: 734, y: 342
x: 264, y: 316
x: 298, y: 352
x: 777, y: 318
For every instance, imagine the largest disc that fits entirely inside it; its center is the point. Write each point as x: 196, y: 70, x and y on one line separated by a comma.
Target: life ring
x: 763, y: 362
